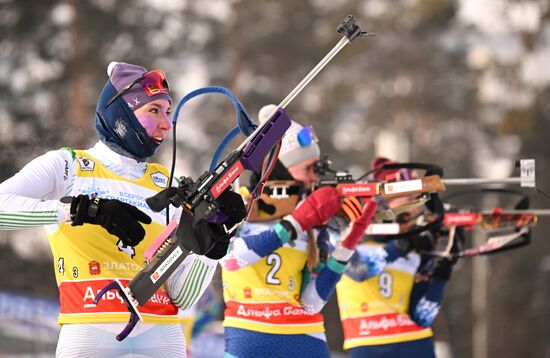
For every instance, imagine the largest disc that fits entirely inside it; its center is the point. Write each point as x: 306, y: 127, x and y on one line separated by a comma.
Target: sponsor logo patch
x: 86, y: 164
x: 66, y: 173
x: 403, y: 186
x: 169, y: 261
x: 160, y: 179
x: 358, y: 189
x: 94, y: 267
x: 228, y: 178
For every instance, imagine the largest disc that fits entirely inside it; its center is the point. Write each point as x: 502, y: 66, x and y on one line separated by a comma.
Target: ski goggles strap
x: 153, y: 82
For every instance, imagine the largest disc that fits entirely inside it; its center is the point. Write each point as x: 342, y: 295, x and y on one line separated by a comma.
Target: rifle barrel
x: 340, y: 45
x: 481, y: 181
x: 329, y: 56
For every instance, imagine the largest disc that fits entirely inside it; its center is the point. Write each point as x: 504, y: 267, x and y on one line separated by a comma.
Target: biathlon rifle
x: 505, y: 229
x: 431, y: 182
x: 397, y: 185
x: 393, y: 187
x: 347, y: 186
x: 201, y: 197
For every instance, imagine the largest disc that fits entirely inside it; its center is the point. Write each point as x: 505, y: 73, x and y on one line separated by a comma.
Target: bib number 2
x: 273, y: 260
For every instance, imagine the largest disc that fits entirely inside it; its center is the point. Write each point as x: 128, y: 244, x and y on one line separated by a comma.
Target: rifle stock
x: 346, y: 186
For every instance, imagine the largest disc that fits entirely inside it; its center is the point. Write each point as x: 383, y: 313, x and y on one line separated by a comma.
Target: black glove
x: 423, y: 242
x: 118, y: 218
x: 444, y: 268
x: 203, y: 237
x: 209, y: 237
x: 219, y: 249
x: 232, y: 205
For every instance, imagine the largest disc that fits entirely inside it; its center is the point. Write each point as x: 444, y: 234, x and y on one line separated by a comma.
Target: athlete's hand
x: 444, y: 266
x: 232, y: 206
x: 203, y: 237
x: 210, y: 237
x: 118, y: 218
x: 318, y: 207
x: 422, y: 242
x: 352, y: 208
x: 346, y: 247
x: 359, y: 227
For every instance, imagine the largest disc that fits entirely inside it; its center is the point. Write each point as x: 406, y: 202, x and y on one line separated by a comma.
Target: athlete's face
x: 305, y: 172
x: 155, y: 118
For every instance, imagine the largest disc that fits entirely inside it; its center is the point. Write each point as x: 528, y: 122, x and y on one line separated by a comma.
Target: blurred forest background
x: 464, y: 84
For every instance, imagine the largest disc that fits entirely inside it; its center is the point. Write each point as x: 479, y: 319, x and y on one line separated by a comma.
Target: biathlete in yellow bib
x: 273, y: 281
x: 390, y: 294
x: 92, y: 203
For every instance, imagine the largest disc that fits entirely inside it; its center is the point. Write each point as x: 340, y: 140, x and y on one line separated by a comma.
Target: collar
x: 117, y: 163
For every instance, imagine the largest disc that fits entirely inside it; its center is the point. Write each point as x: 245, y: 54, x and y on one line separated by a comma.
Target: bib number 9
x: 385, y: 281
